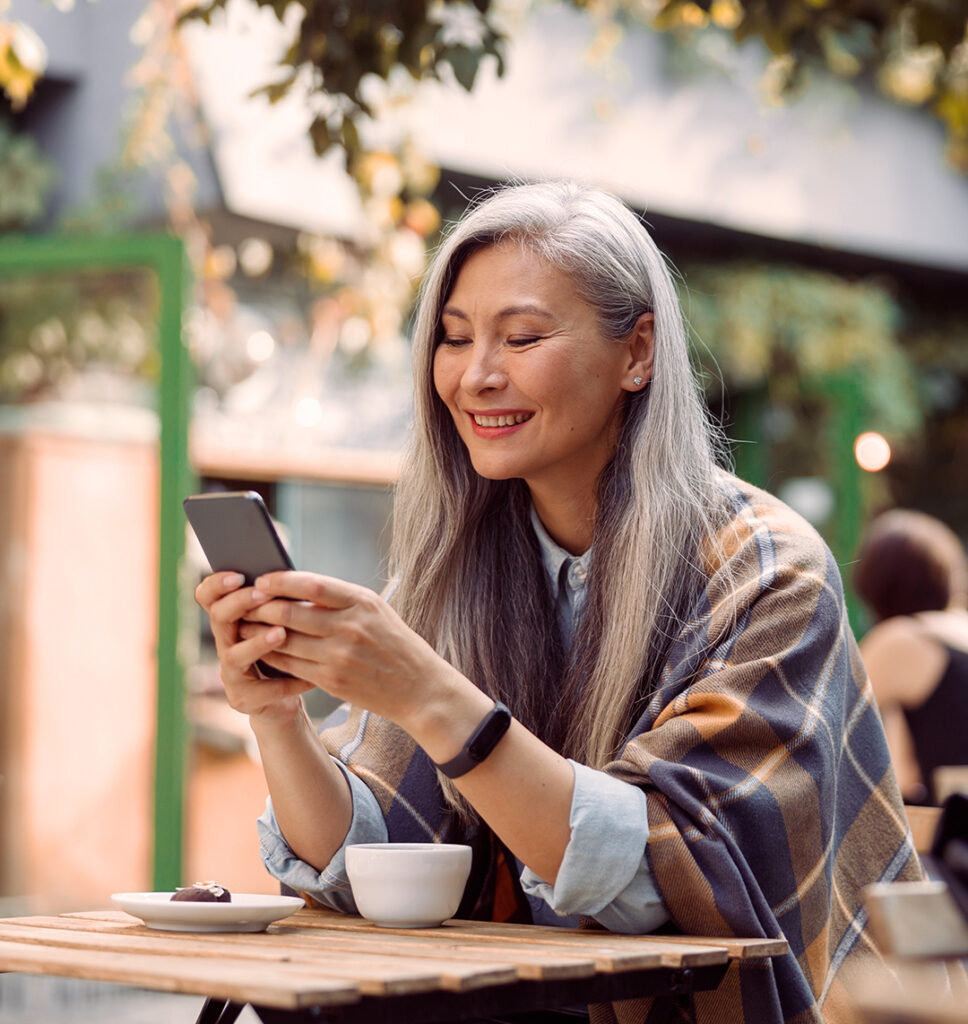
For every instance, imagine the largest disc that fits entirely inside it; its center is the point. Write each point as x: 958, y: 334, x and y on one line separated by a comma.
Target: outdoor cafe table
x: 328, y: 967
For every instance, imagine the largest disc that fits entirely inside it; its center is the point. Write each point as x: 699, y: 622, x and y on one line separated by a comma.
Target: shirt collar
x: 562, y: 566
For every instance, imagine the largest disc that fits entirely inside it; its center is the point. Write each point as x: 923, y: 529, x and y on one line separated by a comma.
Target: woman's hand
x: 348, y: 641
x: 227, y: 602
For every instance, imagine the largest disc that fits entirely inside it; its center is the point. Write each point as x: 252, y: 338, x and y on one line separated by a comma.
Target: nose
x: 484, y: 370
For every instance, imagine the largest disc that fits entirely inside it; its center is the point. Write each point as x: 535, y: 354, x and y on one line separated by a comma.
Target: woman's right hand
x: 310, y: 795
x: 227, y: 601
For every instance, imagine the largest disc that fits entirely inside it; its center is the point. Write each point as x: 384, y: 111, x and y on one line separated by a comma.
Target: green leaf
x: 26, y: 180
x: 848, y: 51
x: 275, y: 91
x: 201, y: 12
x: 350, y: 137
x: 465, y: 62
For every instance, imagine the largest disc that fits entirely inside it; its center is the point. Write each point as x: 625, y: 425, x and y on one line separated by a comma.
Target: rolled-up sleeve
x: 604, y: 873
x: 330, y: 886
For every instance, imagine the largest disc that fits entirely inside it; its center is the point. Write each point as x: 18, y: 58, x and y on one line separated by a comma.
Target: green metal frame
x: 844, y: 421
x: 164, y: 255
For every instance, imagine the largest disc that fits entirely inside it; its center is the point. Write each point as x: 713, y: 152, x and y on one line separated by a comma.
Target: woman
x: 693, y: 742
x: 913, y: 574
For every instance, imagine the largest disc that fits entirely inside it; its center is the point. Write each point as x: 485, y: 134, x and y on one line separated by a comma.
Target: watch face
x: 491, y: 730
x: 481, y: 742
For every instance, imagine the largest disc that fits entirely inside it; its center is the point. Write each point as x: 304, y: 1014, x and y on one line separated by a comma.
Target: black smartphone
x: 237, y: 534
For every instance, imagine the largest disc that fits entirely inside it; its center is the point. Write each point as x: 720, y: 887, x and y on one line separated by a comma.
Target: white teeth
x: 502, y: 421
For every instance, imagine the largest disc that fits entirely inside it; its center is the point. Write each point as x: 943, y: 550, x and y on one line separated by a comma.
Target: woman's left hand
x: 348, y: 641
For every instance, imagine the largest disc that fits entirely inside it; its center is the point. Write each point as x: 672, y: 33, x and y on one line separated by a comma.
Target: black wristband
x: 481, y: 742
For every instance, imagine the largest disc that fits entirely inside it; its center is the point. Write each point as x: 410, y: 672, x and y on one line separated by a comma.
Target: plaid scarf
x: 771, y: 798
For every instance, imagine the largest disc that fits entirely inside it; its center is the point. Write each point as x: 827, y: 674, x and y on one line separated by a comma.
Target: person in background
x: 913, y: 574
x: 692, y: 743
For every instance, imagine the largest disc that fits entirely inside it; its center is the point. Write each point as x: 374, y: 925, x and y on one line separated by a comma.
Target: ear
x: 641, y: 350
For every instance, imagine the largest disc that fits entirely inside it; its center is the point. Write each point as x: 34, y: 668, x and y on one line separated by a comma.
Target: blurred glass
x: 81, y: 336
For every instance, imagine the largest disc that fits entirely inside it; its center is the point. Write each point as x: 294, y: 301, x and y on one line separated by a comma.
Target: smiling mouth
x: 501, y: 421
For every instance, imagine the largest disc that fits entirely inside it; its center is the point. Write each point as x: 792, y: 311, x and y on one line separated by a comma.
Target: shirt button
x: 578, y: 573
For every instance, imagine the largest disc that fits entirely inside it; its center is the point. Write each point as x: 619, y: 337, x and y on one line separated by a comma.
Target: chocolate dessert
x: 203, y: 892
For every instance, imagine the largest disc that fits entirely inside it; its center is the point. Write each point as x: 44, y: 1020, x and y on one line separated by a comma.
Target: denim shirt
x: 604, y: 873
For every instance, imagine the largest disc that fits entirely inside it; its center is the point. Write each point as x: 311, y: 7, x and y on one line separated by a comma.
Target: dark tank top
x: 939, y: 727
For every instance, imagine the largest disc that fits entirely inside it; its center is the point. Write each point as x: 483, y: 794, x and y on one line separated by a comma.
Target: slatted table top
x: 317, y: 958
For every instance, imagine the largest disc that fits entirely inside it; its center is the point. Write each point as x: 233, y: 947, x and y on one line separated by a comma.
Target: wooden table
x: 329, y: 967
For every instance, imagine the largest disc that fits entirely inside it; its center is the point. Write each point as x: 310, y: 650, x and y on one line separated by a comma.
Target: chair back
x: 948, y: 779
x: 924, y: 823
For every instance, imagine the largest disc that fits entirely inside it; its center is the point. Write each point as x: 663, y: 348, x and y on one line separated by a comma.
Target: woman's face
x: 534, y: 388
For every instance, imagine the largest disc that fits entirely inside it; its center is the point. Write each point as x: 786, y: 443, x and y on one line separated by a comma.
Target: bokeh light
x: 872, y: 451
x: 255, y: 256
x: 308, y: 412
x: 260, y: 346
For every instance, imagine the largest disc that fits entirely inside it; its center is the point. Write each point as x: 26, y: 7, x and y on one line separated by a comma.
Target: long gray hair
x: 470, y: 576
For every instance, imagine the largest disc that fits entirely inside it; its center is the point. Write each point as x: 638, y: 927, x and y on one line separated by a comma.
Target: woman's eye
x: 521, y: 342
x: 454, y: 342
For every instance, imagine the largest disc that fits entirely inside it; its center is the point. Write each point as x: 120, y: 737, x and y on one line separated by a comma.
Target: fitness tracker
x: 481, y: 742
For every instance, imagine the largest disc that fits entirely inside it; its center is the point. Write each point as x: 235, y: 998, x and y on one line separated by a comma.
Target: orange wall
x: 78, y: 619
x: 78, y: 661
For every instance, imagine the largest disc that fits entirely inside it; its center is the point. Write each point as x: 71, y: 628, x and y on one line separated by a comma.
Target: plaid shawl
x: 771, y: 798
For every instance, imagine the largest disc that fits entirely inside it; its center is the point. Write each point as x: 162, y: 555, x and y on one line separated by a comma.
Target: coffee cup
x: 408, y: 885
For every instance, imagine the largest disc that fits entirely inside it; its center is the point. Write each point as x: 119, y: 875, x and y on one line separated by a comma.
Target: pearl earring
x: 637, y: 381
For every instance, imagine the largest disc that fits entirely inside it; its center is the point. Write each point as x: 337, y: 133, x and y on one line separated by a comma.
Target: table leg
x: 679, y: 1000
x: 219, y: 1011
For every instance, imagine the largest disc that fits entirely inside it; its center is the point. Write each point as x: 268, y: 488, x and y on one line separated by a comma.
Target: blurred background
x: 212, y: 222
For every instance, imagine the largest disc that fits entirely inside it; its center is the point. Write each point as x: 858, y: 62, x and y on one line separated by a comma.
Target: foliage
x: 112, y: 205
x: 26, y: 179
x: 338, y: 45
x: 915, y: 50
x: 937, y: 340
x: 23, y: 58
x: 786, y: 331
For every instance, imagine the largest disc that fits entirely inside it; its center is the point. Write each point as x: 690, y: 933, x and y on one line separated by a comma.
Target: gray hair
x: 460, y: 541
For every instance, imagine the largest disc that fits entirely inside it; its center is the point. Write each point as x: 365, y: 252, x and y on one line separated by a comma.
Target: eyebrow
x: 506, y: 312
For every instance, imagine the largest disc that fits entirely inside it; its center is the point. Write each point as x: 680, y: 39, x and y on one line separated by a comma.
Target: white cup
x: 408, y: 885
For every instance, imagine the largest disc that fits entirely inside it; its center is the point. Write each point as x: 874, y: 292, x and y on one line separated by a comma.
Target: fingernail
x: 275, y: 635
x: 258, y: 595
x: 233, y: 579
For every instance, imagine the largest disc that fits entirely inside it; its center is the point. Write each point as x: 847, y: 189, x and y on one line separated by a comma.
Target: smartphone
x: 236, y: 533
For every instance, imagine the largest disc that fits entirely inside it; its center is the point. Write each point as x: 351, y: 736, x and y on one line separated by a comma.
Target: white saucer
x: 245, y: 912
